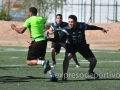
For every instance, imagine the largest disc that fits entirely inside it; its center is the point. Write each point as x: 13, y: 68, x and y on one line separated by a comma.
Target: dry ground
x: 97, y: 39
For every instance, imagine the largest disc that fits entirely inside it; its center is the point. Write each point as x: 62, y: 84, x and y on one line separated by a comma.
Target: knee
x: 69, y: 56
x: 28, y: 62
x: 52, y: 50
x: 92, y: 60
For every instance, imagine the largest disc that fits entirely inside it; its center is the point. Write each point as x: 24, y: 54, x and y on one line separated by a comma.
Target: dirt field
x: 96, y: 38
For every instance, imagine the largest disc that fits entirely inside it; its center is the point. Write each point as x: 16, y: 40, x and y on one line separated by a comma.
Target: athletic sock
x: 76, y: 61
x: 53, y: 59
x: 51, y: 73
x: 40, y: 61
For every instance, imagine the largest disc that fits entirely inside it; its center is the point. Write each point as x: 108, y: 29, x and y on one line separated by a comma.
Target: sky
x: 83, y: 13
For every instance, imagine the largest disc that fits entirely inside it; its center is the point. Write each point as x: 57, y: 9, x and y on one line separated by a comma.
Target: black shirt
x: 76, y: 36
x: 57, y: 29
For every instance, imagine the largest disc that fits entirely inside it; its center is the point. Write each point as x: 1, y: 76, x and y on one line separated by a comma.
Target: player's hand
x: 13, y: 26
x: 104, y: 31
x: 47, y: 36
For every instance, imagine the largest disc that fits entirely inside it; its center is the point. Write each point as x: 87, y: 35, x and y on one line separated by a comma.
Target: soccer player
x: 37, y: 48
x: 55, y: 29
x: 75, y: 34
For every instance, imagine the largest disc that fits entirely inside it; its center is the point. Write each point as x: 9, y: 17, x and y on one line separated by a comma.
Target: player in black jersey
x: 55, y: 29
x: 76, y: 42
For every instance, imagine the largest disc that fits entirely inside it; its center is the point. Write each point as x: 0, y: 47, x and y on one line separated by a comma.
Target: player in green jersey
x: 37, y: 48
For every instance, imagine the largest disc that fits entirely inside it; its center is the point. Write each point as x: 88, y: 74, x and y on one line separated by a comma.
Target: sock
x: 53, y: 59
x: 76, y: 61
x: 51, y: 73
x: 40, y: 61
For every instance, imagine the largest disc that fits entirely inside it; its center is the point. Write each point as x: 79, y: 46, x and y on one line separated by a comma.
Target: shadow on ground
x: 7, y: 79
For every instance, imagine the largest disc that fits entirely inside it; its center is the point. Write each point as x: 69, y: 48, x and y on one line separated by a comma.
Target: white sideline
x: 48, y: 50
x: 20, y: 65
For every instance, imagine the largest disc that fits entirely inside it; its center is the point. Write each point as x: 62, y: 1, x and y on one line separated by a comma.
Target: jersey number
x: 76, y: 39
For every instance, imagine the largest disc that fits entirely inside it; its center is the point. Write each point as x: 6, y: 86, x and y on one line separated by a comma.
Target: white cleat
x: 53, y: 65
x: 77, y: 66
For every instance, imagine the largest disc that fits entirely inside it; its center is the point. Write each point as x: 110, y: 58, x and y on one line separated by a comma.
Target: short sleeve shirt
x: 36, y: 25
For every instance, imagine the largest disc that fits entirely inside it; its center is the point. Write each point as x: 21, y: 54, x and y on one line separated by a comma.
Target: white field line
x: 20, y: 65
x: 48, y: 50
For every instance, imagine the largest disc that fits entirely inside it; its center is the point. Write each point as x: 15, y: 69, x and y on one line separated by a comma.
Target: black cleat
x: 94, y: 75
x: 46, y: 66
x: 64, y: 78
x: 55, y: 79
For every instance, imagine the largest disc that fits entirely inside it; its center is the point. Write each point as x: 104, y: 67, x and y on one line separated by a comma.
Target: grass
x: 16, y: 75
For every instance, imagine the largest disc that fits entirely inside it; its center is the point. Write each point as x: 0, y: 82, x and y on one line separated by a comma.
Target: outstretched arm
x: 62, y: 37
x: 19, y: 30
x: 92, y: 27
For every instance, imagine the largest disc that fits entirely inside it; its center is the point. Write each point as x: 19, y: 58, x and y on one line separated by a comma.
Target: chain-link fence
x: 96, y: 11
x: 1, y: 4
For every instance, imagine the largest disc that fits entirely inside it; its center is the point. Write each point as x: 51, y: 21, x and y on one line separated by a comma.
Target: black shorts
x: 37, y: 50
x: 84, y: 50
x: 56, y: 46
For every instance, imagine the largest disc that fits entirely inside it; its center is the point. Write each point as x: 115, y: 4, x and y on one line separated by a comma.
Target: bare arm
x: 50, y: 30
x: 62, y: 37
x: 19, y: 30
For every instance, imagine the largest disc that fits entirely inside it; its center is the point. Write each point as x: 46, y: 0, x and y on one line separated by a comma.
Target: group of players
x: 69, y: 35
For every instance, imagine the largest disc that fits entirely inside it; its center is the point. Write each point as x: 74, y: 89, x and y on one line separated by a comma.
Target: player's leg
x: 52, y: 53
x: 33, y: 54
x: 46, y: 64
x: 36, y: 56
x: 67, y: 58
x: 56, y: 48
x: 88, y: 55
x: 92, y: 65
x: 68, y: 55
x: 74, y: 57
x: 76, y: 61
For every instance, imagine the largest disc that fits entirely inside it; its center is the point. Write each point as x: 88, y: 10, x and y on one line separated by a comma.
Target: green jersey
x: 35, y: 25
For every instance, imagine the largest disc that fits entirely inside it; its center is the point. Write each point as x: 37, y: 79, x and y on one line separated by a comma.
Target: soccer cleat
x: 64, y: 78
x: 54, y: 64
x: 46, y: 66
x: 53, y: 79
x: 77, y: 65
x: 94, y: 75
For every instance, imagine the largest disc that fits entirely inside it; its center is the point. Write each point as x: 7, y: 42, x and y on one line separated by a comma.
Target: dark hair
x: 59, y: 15
x: 73, y: 17
x: 33, y: 10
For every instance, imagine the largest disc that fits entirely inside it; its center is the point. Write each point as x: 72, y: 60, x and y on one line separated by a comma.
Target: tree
x: 4, y: 15
x: 45, y: 7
